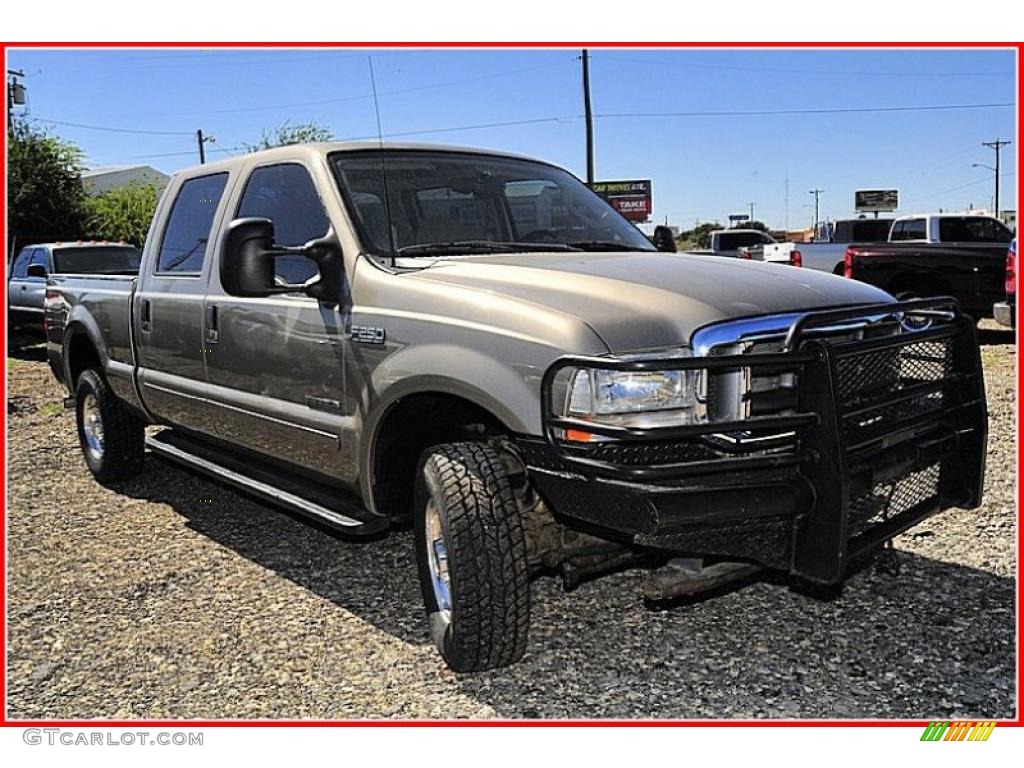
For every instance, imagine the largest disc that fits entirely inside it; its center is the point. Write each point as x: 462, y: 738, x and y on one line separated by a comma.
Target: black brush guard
x: 886, y: 432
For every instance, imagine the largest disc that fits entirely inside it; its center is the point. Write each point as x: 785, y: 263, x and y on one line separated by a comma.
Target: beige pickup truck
x: 475, y: 346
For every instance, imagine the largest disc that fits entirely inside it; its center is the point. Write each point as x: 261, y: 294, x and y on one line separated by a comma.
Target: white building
x: 96, y: 181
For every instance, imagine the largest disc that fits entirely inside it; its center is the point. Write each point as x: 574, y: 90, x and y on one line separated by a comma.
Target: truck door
x: 168, y: 307
x: 16, y: 285
x: 33, y: 287
x: 275, y: 365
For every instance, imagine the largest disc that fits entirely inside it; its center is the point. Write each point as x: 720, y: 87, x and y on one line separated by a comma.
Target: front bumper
x: 886, y: 432
x: 1005, y: 314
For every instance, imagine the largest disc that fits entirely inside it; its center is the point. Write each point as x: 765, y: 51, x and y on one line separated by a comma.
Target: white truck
x: 826, y: 252
x: 729, y: 242
x: 949, y: 228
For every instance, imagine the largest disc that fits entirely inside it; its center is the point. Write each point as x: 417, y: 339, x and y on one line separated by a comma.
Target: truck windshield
x: 93, y: 260
x: 972, y: 229
x: 454, y: 202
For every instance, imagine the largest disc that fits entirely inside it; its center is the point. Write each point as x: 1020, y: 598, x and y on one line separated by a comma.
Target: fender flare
x: 438, y: 382
x: 81, y: 324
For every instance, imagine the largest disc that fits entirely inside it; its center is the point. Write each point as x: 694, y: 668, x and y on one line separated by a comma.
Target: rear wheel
x: 471, y: 554
x: 111, y: 436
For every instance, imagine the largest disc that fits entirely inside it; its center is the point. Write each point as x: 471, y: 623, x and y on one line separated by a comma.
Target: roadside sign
x: 630, y: 198
x: 876, y: 200
x: 738, y: 217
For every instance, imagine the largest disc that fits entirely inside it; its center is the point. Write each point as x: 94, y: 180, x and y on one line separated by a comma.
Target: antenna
x: 383, y: 165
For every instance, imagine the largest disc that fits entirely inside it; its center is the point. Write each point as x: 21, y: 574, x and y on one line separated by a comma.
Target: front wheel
x: 471, y: 554
x: 112, y: 438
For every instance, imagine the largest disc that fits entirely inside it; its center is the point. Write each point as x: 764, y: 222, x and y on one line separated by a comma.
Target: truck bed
x: 972, y: 273
x: 102, y: 305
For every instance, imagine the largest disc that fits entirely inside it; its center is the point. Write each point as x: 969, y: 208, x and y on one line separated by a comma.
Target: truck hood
x: 636, y: 301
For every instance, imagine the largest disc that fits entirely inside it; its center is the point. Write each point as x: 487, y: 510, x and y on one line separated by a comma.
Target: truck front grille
x: 880, y: 390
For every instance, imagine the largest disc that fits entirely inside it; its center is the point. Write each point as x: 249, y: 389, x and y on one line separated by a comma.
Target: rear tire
x: 112, y: 438
x: 471, y: 554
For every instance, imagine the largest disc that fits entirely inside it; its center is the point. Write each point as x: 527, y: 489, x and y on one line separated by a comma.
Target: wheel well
x: 410, y: 426
x: 82, y: 356
x: 840, y: 269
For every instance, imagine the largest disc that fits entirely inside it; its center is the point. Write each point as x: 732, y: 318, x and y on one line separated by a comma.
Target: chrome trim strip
x: 764, y: 328
x: 235, y: 408
x: 264, y: 489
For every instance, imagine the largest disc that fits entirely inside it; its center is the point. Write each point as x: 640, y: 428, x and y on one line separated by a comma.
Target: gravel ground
x: 173, y: 597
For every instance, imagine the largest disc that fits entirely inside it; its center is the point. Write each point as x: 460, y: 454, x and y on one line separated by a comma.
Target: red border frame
x: 5, y: 722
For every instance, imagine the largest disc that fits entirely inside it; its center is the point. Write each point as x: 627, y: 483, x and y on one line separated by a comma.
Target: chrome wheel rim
x: 437, y: 561
x: 92, y: 426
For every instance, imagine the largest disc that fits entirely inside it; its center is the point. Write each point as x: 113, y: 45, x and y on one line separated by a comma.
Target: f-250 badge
x: 367, y: 334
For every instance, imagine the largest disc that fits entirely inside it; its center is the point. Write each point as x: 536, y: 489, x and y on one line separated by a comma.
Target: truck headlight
x: 632, y: 398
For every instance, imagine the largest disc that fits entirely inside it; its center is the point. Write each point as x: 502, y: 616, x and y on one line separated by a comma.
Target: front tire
x: 113, y: 439
x: 471, y: 554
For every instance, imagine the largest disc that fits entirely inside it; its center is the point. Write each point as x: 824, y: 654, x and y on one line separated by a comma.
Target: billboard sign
x: 630, y: 198
x: 876, y: 200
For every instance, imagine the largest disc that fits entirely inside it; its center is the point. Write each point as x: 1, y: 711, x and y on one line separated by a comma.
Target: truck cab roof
x: 322, y: 148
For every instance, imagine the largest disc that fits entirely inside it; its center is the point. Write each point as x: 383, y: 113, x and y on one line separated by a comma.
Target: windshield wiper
x: 605, y: 245
x: 466, y: 247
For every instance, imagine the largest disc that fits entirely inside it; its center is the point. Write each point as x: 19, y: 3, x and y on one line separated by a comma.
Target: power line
x: 111, y: 129
x: 603, y: 116
x: 954, y: 189
x: 453, y: 129
x: 807, y: 111
x: 789, y: 71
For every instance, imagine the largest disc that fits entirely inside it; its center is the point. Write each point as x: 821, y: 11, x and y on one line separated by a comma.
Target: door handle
x: 212, y: 330
x: 144, y: 316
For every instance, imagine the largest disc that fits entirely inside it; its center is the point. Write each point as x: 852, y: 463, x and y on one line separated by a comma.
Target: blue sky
x: 703, y: 166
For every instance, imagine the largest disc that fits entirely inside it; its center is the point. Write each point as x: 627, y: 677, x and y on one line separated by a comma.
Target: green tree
x: 45, y: 199
x: 123, y: 213
x: 699, y: 236
x: 287, y: 133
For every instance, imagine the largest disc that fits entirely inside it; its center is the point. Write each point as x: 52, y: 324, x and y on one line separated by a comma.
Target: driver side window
x: 286, y: 195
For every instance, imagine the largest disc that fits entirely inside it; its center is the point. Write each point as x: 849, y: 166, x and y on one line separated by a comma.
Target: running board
x: 316, y: 501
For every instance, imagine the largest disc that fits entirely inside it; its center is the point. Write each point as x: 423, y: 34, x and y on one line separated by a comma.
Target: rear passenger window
x: 910, y: 229
x: 917, y: 230
x: 20, y: 268
x: 286, y: 195
x: 188, y: 228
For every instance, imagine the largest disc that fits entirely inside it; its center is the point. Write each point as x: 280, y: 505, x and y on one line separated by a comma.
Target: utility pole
x: 15, y: 94
x: 997, y: 145
x: 588, y: 112
x: 751, y: 211
x: 203, y: 140
x: 817, y: 194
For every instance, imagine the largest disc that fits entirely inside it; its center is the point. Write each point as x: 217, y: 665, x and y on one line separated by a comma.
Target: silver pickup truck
x: 26, y: 283
x: 477, y: 346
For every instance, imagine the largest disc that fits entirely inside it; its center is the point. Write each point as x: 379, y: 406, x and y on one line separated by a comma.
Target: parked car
x: 477, y: 344
x: 1006, y: 311
x: 729, y: 242
x: 949, y: 228
x: 827, y: 251
x: 26, y: 284
x: 973, y: 273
